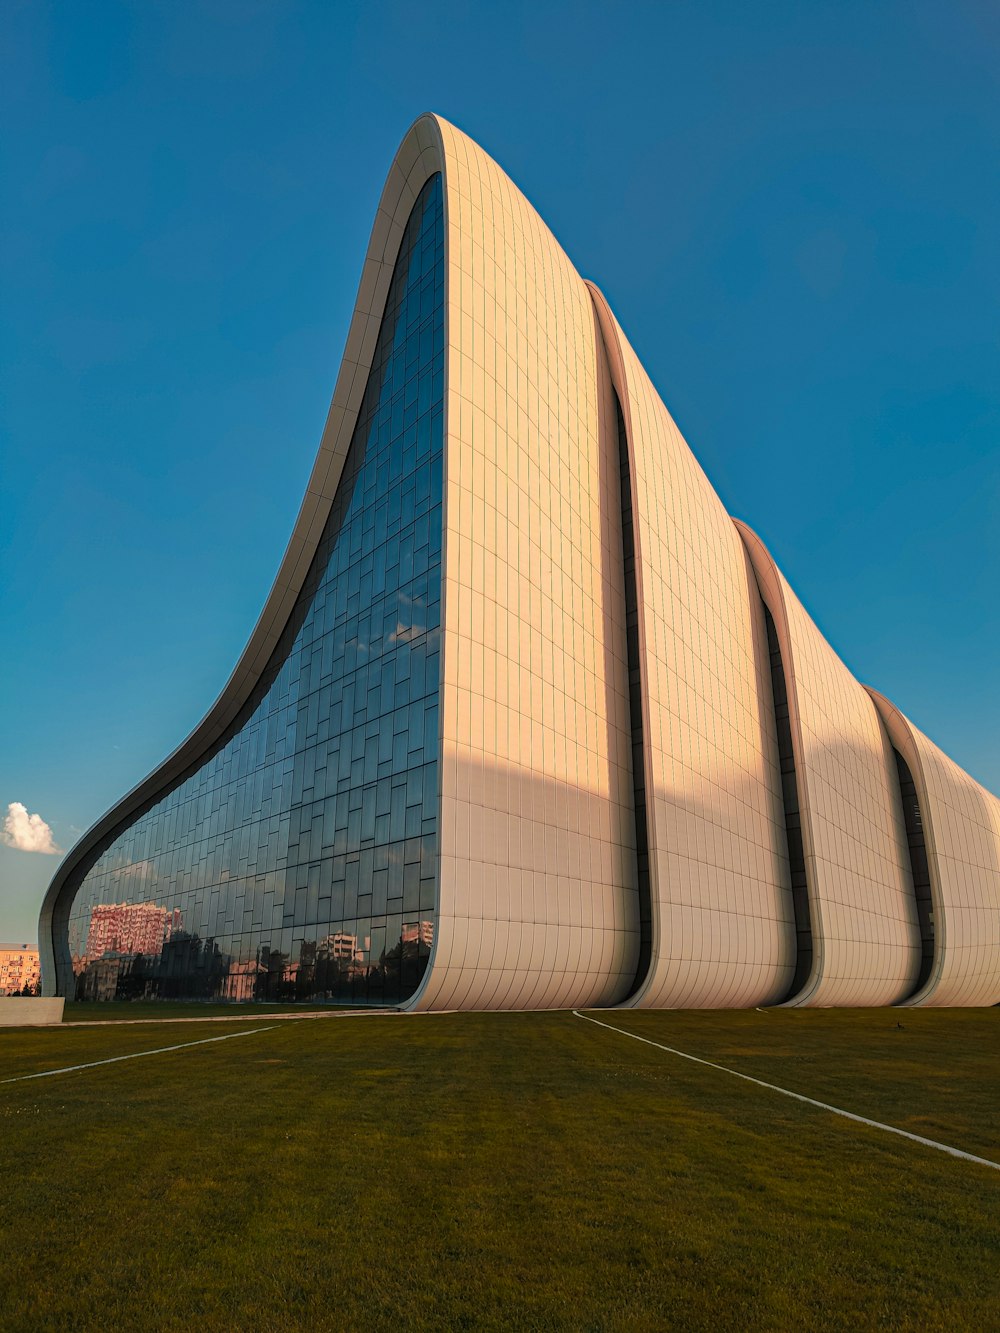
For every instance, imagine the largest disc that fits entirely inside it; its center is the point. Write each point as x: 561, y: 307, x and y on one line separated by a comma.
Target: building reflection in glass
x: 299, y: 861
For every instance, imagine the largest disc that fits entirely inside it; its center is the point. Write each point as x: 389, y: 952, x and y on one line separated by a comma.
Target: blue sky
x: 793, y: 209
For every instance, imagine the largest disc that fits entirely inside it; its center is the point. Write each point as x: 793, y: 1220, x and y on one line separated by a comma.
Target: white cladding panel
x: 723, y: 930
x: 863, y: 912
x: 538, y: 904
x: 966, y: 822
x: 961, y: 824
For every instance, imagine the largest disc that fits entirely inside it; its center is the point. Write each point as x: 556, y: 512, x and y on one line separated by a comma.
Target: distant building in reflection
x: 419, y: 932
x: 340, y: 947
x: 176, y: 965
x: 100, y: 978
x: 130, y: 928
x: 242, y: 981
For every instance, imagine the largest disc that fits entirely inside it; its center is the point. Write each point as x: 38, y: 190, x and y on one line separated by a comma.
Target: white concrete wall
x: 24, y: 1012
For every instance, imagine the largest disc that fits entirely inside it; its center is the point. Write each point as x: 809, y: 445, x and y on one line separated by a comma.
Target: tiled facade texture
x: 866, y: 942
x: 723, y: 932
x: 536, y: 878
x: 550, y: 784
x: 961, y: 823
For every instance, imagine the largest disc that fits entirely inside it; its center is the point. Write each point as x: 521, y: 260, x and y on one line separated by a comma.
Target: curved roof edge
x: 420, y: 154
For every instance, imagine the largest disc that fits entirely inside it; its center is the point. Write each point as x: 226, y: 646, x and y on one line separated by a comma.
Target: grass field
x: 527, y: 1171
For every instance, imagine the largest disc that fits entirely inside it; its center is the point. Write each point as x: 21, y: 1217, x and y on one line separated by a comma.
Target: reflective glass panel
x: 299, y: 860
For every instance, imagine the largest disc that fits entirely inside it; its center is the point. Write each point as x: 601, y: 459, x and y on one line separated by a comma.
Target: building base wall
x: 19, y: 1012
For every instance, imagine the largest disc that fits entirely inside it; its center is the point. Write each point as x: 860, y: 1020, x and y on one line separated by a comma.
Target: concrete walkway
x: 250, y: 1017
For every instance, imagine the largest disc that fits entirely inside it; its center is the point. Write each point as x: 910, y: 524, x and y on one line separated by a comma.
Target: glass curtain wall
x: 299, y: 860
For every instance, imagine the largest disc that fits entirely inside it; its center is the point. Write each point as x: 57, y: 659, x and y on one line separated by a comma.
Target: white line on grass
x: 137, y: 1055
x: 810, y: 1101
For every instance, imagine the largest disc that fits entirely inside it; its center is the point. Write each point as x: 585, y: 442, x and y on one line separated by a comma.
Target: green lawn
x: 503, y: 1171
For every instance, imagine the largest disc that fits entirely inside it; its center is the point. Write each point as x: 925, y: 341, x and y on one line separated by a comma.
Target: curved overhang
x: 420, y: 155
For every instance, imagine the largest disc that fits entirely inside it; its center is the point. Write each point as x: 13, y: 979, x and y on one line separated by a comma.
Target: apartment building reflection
x: 143, y: 951
x: 130, y: 928
x: 125, y: 949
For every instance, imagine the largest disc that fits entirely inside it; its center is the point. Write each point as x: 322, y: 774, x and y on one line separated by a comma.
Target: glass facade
x: 299, y: 861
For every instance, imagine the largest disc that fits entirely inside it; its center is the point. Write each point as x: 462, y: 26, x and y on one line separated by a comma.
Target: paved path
x: 250, y: 1017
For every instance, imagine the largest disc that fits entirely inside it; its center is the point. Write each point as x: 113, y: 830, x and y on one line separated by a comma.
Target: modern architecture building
x: 528, y: 721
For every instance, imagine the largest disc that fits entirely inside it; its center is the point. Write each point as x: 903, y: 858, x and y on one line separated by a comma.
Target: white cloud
x: 27, y: 833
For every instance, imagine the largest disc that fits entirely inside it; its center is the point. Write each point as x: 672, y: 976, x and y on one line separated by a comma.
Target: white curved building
x: 527, y: 721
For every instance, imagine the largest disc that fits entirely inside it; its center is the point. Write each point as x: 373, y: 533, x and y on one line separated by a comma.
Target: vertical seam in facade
x: 640, y: 809
x: 917, y: 850
x: 442, y: 168
x: 895, y: 721
x: 615, y: 364
x: 791, y: 806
